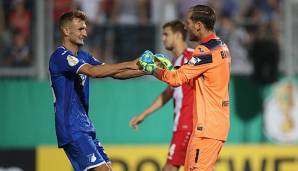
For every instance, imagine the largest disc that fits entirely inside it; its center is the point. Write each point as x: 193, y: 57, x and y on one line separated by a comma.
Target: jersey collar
x: 209, y: 37
x: 185, y: 52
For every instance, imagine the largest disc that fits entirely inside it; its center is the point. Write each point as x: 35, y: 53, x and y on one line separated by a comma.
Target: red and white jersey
x: 183, y: 98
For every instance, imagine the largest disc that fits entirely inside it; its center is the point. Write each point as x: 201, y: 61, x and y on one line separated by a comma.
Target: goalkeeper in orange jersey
x: 174, y: 40
x: 208, y: 71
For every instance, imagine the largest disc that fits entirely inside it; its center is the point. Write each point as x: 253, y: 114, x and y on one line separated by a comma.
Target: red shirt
x: 183, y: 98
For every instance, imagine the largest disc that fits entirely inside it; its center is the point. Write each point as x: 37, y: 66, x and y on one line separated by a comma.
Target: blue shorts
x: 86, y: 153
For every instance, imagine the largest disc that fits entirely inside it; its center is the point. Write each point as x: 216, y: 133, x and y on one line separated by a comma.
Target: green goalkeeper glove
x: 163, y: 62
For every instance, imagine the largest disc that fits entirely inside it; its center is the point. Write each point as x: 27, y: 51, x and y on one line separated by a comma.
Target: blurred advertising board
x: 281, y: 112
x: 255, y: 157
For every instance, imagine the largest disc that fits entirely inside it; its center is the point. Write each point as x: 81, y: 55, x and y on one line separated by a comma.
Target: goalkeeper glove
x: 147, y: 57
x: 163, y: 62
x: 147, y: 62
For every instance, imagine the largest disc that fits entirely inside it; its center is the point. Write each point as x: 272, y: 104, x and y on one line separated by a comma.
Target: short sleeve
x: 68, y: 63
x: 93, y: 61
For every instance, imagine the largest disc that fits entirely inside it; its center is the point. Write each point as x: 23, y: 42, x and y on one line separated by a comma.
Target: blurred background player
x: 209, y: 73
x: 174, y: 40
x: 69, y: 68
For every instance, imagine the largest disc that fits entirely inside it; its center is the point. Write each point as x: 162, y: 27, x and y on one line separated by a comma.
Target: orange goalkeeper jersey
x: 208, y: 72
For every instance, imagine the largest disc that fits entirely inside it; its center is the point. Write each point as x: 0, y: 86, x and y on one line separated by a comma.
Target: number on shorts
x: 197, y: 155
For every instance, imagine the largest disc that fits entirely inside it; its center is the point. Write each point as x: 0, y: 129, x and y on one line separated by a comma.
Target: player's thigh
x: 202, y: 154
x: 102, y: 168
x: 178, y: 147
x: 84, y: 154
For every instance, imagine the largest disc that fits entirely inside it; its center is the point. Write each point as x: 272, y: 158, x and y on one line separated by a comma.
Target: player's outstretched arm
x: 106, y: 70
x: 129, y: 73
x: 162, y: 99
x: 146, y: 56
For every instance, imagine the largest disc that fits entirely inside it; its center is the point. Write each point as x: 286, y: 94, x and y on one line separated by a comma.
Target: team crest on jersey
x: 199, y: 60
x: 92, y: 158
x: 72, y: 61
x: 194, y: 61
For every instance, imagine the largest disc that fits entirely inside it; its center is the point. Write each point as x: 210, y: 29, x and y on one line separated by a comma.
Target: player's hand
x: 135, y: 121
x: 163, y: 62
x: 146, y: 61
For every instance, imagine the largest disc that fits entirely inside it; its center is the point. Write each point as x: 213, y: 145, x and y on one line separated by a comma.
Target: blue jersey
x: 71, y: 94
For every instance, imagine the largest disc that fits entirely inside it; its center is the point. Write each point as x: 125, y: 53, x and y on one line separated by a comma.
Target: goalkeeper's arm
x: 160, y: 101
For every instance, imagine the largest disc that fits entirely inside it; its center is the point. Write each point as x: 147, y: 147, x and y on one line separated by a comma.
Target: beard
x: 77, y: 42
x: 193, y: 37
x: 80, y: 43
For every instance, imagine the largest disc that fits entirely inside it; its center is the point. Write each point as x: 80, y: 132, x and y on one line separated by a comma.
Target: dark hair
x: 204, y: 14
x: 69, y: 16
x: 176, y: 26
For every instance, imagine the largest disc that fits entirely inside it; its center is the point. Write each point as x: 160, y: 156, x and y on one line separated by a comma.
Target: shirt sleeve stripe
x: 80, y: 67
x: 204, y: 59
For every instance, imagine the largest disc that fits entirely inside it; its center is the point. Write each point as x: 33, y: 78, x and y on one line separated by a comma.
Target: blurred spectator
x: 2, y: 28
x: 238, y: 41
x: 93, y: 9
x: 107, y: 7
x: 230, y: 7
x: 131, y: 31
x: 184, y: 5
x: 62, y: 6
x: 95, y: 42
x: 264, y: 46
x: 2, y: 18
x: 264, y: 53
x: 20, y: 18
x: 131, y: 12
x: 18, y: 54
x: 271, y: 8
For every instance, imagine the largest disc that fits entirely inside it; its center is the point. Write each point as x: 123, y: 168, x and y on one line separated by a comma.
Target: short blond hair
x: 69, y: 16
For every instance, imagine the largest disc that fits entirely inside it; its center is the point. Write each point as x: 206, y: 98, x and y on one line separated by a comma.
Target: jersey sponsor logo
x: 199, y: 60
x: 72, y: 61
x: 92, y: 158
x: 194, y: 61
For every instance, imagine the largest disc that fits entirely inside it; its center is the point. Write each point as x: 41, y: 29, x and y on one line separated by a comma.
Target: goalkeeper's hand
x: 163, y: 62
x: 146, y: 61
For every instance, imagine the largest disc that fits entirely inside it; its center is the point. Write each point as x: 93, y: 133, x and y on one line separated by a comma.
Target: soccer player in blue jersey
x: 70, y: 68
